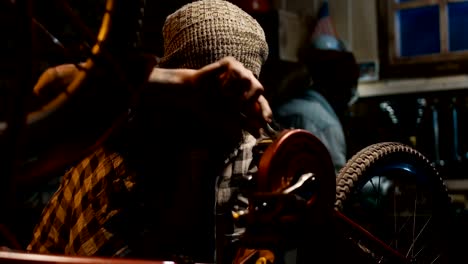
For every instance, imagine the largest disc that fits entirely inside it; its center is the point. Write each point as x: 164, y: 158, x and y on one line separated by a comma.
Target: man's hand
x: 239, y: 85
x: 55, y: 80
x: 227, y: 80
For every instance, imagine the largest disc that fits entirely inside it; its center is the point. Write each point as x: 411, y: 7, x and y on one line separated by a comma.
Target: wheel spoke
x: 400, y: 230
x: 414, y: 223
x: 379, y: 193
x: 419, y: 233
x: 58, y: 43
x: 395, y: 224
x: 54, y: 40
x: 435, y: 259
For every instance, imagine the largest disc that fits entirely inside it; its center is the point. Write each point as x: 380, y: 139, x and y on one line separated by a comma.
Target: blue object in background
x: 458, y: 24
x: 328, y: 42
x: 419, y: 31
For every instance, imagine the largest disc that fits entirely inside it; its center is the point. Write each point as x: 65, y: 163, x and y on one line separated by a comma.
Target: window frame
x: 393, y: 66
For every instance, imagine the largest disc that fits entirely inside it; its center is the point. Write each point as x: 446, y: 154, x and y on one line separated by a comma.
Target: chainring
x: 281, y: 210
x: 293, y: 153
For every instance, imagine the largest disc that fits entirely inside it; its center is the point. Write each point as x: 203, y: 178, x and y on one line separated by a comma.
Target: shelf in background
x: 416, y: 85
x: 457, y: 185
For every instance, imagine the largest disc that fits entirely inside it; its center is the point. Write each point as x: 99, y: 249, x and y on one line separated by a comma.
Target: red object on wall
x: 253, y: 6
x: 324, y: 25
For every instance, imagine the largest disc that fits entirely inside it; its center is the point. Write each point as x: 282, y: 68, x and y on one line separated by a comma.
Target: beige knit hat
x: 204, y: 31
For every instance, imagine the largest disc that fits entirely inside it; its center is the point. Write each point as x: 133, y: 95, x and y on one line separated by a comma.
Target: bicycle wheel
x: 394, y: 192
x: 63, y: 129
x: 39, y: 143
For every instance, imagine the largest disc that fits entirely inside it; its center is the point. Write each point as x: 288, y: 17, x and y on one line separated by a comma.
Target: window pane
x: 419, y: 31
x: 458, y: 25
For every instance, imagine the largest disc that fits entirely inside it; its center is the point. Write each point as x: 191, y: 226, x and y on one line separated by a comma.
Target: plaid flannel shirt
x: 74, y: 220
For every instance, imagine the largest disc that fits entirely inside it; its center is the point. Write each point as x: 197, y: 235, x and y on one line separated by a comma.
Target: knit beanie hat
x: 204, y: 31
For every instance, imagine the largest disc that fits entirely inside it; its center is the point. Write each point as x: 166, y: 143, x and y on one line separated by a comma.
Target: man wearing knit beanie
x: 185, y: 152
x: 205, y: 31
x: 196, y: 35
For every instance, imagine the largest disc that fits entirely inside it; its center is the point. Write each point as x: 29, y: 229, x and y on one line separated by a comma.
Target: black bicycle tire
x: 358, y: 170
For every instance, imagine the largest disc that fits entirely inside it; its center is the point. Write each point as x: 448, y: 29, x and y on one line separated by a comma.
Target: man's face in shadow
x: 196, y: 119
